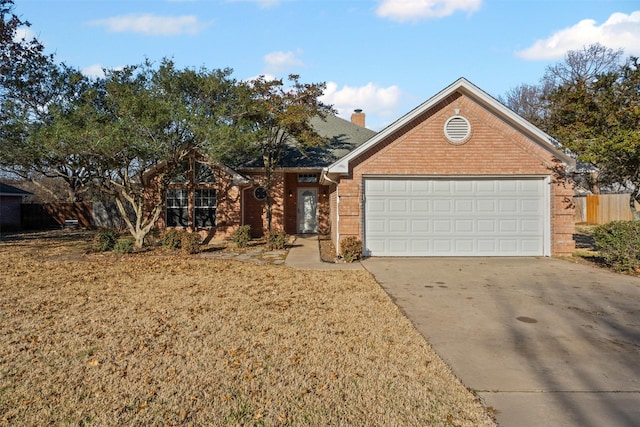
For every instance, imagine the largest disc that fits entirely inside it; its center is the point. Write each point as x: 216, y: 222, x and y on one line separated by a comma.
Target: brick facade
x: 495, y: 148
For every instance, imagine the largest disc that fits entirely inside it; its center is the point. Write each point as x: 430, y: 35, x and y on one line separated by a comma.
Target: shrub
x: 124, y: 245
x: 105, y: 240
x: 276, y: 240
x: 171, y: 239
x: 351, y: 248
x: 242, y: 236
x: 180, y: 239
x: 618, y: 243
x: 190, y: 242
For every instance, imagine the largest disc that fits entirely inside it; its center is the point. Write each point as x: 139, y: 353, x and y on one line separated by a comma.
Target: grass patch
x: 173, y: 339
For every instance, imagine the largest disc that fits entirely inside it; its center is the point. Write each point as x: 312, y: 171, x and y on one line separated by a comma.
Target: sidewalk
x: 304, y: 254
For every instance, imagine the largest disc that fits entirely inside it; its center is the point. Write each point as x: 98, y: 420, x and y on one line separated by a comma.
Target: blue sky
x: 384, y: 56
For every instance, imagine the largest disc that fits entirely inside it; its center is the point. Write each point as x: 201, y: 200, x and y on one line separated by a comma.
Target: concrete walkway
x: 304, y: 254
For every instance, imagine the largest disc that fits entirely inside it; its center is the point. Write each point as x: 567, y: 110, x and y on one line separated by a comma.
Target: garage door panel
x: 405, y: 217
x: 486, y: 246
x: 420, y: 205
x: 398, y: 226
x: 531, y: 206
x: 442, y: 206
x: 420, y: 226
x: 441, y: 187
x: 487, y: 225
x: 508, y: 206
x: 486, y: 206
x: 398, y: 205
x: 464, y: 225
x: 442, y: 246
x: 463, y: 206
x: 399, y: 245
x: 376, y: 205
x: 420, y: 246
x: 464, y: 246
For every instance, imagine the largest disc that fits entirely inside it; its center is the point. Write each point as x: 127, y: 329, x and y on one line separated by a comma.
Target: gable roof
x: 464, y: 87
x: 342, y: 137
x: 8, y: 190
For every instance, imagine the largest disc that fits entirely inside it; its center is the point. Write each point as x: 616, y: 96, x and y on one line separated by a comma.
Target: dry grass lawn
x: 160, y: 339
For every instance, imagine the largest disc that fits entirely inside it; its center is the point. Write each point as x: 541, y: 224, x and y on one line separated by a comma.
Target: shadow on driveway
x: 543, y: 341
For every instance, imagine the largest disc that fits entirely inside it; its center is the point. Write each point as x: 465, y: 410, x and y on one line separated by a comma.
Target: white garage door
x: 460, y: 217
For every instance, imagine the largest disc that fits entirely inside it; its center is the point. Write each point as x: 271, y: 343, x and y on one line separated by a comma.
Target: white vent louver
x: 457, y: 129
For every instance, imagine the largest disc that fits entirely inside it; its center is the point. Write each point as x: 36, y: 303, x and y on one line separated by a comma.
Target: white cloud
x: 95, y: 70
x: 280, y: 61
x: 261, y: 3
x: 266, y: 77
x: 98, y: 71
x: 619, y: 31
x: 377, y: 102
x: 416, y: 10
x: 23, y: 33
x: 152, y: 25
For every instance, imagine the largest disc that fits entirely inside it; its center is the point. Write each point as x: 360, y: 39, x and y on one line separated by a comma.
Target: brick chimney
x: 358, y: 117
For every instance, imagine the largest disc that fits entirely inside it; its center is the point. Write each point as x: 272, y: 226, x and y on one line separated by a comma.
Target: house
x: 10, y: 207
x: 215, y: 200
x: 460, y: 175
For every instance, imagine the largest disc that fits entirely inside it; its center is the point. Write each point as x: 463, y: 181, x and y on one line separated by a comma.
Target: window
x: 307, y: 177
x: 181, y: 175
x: 177, y: 208
x: 260, y: 193
x: 204, y: 174
x: 205, y: 208
x: 191, y: 201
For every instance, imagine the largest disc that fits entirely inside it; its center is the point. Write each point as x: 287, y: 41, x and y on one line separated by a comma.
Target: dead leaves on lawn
x: 177, y: 340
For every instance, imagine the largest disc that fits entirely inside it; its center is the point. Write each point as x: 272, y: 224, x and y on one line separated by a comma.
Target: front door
x: 307, y: 210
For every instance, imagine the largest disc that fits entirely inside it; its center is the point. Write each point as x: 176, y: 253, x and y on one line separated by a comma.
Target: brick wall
x: 494, y: 148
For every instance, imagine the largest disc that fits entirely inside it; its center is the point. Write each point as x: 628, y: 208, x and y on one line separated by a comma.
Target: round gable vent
x: 457, y: 129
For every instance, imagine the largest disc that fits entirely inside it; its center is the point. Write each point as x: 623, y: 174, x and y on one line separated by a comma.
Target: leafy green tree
x: 149, y: 121
x: 278, y: 117
x: 32, y: 88
x: 599, y: 120
x: 590, y: 102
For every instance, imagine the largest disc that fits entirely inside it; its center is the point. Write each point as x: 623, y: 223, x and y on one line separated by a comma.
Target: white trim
x: 448, y: 135
x: 547, y: 216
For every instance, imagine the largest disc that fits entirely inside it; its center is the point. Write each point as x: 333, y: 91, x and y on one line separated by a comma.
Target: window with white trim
x: 205, y: 208
x: 191, y: 198
x: 177, y: 207
x: 307, y: 177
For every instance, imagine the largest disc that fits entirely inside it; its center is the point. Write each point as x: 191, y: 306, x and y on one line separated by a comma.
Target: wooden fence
x: 602, y: 208
x: 48, y: 215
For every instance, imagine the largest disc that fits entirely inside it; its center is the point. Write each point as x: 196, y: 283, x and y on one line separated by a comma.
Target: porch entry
x: 307, y: 210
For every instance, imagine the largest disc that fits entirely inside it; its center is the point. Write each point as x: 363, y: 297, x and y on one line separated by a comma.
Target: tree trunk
x: 143, y: 225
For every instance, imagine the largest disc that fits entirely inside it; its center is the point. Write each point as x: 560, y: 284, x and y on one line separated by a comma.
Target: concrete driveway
x: 545, y: 342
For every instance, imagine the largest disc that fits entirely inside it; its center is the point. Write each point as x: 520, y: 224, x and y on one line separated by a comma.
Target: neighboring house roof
x: 8, y: 190
x: 343, y: 136
x: 464, y: 87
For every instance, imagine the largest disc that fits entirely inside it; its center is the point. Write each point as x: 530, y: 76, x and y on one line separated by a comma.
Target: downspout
x: 324, y: 176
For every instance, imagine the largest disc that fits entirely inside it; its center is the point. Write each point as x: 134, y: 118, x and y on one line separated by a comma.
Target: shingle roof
x: 8, y: 190
x: 343, y: 137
